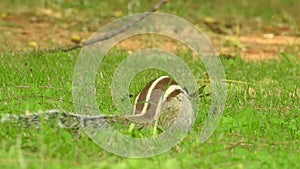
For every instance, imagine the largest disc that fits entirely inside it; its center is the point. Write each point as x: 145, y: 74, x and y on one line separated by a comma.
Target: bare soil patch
x: 22, y: 32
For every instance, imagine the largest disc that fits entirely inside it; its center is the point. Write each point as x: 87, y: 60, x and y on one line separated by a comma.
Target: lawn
x: 260, y: 123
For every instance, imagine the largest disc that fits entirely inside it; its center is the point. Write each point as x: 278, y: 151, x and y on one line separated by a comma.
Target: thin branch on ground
x: 154, y: 8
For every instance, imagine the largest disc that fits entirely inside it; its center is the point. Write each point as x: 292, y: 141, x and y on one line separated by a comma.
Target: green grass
x: 92, y: 14
x: 259, y: 128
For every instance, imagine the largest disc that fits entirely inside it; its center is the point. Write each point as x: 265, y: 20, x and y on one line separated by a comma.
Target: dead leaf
x: 268, y: 35
x: 209, y: 20
x: 33, y: 44
x: 76, y: 38
x: 3, y: 15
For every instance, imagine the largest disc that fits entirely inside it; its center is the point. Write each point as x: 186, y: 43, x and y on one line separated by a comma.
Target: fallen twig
x: 154, y: 8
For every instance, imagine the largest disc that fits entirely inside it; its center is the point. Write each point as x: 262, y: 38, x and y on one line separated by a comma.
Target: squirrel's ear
x: 186, y: 90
